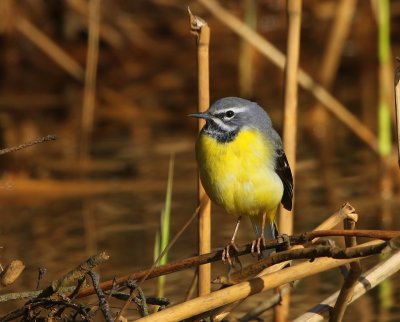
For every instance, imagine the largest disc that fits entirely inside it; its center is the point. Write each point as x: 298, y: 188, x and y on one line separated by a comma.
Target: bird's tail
x: 270, y: 232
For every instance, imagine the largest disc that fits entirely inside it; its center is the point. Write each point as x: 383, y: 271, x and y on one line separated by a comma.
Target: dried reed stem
x: 278, y: 58
x: 351, y: 279
x: 202, y: 32
x: 89, y: 96
x: 293, y: 11
x: 366, y: 282
x: 397, y: 99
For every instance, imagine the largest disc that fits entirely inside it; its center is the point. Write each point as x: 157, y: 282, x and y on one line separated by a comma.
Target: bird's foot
x: 256, y: 246
x: 229, y: 250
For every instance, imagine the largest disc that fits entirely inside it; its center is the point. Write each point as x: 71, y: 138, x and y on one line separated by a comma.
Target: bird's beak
x: 204, y: 115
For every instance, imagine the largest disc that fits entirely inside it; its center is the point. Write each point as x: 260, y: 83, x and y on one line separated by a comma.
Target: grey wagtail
x: 243, y: 166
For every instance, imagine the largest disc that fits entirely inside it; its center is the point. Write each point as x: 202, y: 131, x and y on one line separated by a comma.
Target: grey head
x: 227, y: 116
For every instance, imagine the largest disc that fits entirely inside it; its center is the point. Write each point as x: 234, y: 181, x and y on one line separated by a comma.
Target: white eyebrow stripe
x: 222, y: 125
x: 236, y: 109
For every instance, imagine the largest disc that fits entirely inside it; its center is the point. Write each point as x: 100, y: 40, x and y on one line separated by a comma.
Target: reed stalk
x: 202, y: 32
x: 246, y: 52
x: 281, y: 312
x: 165, y: 224
x: 384, y: 131
x: 366, y: 282
x: 397, y: 100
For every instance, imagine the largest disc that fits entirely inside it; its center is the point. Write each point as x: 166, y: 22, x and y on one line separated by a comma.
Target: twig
x: 159, y: 301
x: 75, y: 274
x: 201, y: 30
x: 41, y: 272
x: 366, y: 282
x: 29, y: 294
x: 305, y: 80
x: 46, y: 303
x: 28, y: 144
x: 351, y: 279
x: 105, y: 308
x: 145, y: 310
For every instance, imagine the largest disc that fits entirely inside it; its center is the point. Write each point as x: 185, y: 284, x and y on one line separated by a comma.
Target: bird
x: 243, y: 167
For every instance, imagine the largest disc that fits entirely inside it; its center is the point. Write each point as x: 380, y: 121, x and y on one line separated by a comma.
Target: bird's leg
x: 256, y: 245
x: 225, y: 254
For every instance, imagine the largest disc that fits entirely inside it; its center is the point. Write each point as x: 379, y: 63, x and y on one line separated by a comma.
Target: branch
x: 75, y: 274
x: 28, y: 144
x: 308, y: 253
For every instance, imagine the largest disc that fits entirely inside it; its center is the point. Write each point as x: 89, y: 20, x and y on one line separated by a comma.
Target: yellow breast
x: 239, y: 175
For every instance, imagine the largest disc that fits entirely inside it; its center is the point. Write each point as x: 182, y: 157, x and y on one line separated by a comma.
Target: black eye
x: 229, y: 113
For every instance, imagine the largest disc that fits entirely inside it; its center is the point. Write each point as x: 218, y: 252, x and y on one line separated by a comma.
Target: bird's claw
x: 256, y: 246
x: 229, y: 249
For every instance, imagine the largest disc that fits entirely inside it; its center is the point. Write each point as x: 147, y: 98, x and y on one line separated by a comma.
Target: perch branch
x: 242, y: 290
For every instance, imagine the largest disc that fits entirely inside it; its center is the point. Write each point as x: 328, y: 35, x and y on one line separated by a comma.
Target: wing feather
x: 282, y: 168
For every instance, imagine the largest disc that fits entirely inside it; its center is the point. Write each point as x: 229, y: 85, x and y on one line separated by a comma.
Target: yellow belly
x: 239, y: 175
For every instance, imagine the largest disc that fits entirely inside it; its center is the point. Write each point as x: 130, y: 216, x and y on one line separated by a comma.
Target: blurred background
x: 101, y: 185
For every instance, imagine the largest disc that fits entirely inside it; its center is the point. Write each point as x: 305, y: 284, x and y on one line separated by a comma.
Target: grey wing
x: 282, y: 168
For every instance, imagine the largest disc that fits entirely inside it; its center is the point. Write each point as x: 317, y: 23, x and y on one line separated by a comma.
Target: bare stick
x: 281, y: 312
x: 202, y: 32
x: 75, y: 274
x: 351, y: 279
x: 28, y: 144
x: 105, y: 308
x: 305, y: 80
